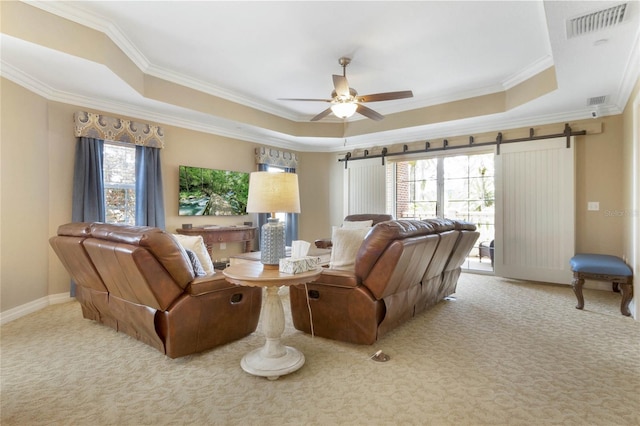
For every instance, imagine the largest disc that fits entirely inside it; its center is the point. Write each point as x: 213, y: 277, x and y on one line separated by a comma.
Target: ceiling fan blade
x: 341, y: 85
x: 322, y: 115
x: 304, y: 99
x: 369, y: 113
x: 388, y: 96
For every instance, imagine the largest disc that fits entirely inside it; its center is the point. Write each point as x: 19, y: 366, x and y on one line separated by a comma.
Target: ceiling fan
x: 345, y: 101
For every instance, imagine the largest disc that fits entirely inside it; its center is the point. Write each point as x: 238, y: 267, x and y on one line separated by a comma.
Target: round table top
x: 254, y: 274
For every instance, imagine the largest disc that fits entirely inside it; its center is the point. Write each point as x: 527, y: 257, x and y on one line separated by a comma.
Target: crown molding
x: 532, y: 70
x: 246, y: 133
x: 116, y: 35
x: 97, y: 23
x: 231, y: 130
x: 220, y: 92
x: 23, y: 79
x: 111, y: 29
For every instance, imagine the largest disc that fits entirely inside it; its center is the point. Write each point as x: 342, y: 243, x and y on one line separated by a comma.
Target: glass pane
x: 119, y: 164
x: 456, y: 189
x: 119, y: 171
x: 481, y: 165
x: 423, y: 190
x: 456, y: 167
x: 418, y: 210
x: 426, y: 169
x: 121, y: 205
x: 457, y: 210
x: 479, y: 189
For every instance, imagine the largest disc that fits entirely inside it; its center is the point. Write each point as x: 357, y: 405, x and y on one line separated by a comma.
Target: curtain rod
x: 445, y: 145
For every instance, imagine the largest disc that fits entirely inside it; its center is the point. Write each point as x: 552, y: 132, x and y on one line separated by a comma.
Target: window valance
x: 273, y: 157
x: 100, y: 126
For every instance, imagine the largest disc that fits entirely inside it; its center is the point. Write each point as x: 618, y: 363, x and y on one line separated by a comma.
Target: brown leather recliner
x: 139, y: 280
x: 402, y: 268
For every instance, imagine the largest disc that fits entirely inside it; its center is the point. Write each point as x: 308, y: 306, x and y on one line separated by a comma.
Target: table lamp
x: 273, y: 193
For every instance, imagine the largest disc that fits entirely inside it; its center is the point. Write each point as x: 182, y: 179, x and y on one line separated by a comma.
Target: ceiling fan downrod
x: 344, y: 61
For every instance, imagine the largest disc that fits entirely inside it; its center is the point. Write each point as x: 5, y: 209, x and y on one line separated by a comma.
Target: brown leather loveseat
x: 402, y: 268
x: 140, y: 281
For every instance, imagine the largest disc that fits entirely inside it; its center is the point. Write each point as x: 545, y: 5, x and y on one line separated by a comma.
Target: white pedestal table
x: 273, y: 359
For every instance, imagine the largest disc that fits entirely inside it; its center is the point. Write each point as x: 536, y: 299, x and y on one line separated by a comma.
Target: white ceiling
x: 253, y: 53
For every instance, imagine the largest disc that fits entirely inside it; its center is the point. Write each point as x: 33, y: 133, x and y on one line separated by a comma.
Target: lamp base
x: 272, y: 243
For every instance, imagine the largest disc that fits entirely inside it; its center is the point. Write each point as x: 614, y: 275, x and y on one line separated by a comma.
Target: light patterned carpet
x: 504, y: 353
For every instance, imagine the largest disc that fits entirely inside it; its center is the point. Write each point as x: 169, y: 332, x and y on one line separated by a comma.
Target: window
x: 452, y: 187
x: 119, y: 170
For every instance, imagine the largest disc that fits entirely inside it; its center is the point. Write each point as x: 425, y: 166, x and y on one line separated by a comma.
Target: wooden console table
x: 223, y: 234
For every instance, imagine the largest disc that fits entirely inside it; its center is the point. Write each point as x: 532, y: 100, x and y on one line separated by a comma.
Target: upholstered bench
x: 601, y: 267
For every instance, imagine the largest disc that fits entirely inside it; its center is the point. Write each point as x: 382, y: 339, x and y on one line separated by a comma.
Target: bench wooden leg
x: 607, y: 268
x: 577, y: 284
x: 627, y: 294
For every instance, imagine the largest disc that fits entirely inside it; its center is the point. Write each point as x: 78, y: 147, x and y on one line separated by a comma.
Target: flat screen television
x: 211, y: 192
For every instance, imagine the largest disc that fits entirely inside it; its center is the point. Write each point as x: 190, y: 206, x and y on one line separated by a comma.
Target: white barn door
x: 364, y: 190
x: 535, y: 210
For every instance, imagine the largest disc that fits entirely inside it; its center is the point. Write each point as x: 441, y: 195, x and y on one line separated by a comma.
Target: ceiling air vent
x: 596, y: 21
x: 596, y: 100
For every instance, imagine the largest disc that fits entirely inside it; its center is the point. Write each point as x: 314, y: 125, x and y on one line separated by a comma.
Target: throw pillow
x: 346, y: 243
x: 195, y: 243
x: 357, y: 224
x: 198, y: 271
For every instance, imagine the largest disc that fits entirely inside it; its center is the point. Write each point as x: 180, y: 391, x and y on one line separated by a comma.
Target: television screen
x: 210, y: 192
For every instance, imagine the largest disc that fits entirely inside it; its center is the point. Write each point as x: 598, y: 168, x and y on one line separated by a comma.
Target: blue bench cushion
x: 599, y: 264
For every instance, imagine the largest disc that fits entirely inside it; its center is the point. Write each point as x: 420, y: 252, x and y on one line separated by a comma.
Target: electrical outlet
x: 593, y: 206
x: 223, y: 246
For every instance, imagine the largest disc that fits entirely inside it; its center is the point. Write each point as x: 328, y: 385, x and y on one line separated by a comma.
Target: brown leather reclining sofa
x: 139, y: 280
x: 402, y: 268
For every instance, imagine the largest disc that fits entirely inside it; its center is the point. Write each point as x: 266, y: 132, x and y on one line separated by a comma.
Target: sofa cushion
x: 346, y: 243
x: 159, y: 243
x: 353, y: 224
x: 195, y: 243
x: 382, y: 235
x: 600, y: 264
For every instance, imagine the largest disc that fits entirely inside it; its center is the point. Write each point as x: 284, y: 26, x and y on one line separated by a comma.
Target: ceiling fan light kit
x: 344, y: 109
x: 345, y: 100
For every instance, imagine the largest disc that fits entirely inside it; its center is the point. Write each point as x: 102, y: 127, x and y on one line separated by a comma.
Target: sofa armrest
x: 209, y: 283
x: 338, y: 278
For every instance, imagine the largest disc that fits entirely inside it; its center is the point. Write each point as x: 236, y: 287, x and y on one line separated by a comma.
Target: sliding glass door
x: 453, y: 187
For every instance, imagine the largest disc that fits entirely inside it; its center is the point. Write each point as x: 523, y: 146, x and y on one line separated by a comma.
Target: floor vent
x: 596, y: 100
x: 596, y: 21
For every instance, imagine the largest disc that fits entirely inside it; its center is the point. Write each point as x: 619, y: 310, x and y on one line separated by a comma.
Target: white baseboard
x: 33, y: 306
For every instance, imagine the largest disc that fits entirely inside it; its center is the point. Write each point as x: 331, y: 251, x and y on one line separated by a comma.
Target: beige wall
x: 631, y: 165
x: 190, y: 148
x: 24, y: 191
x: 599, y: 177
x: 37, y: 151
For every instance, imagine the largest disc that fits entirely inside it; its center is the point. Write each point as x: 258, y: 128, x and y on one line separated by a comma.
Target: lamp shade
x: 344, y: 109
x: 273, y: 193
